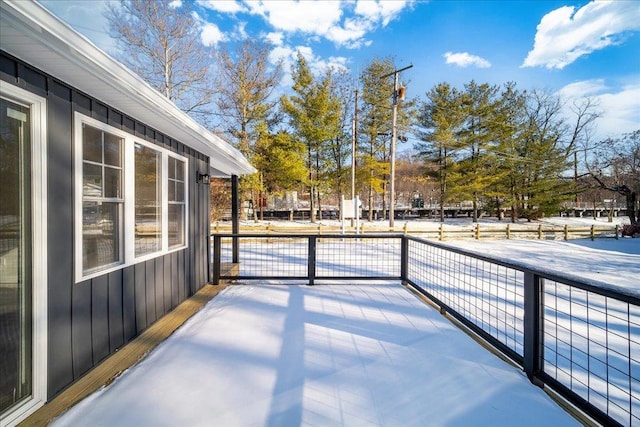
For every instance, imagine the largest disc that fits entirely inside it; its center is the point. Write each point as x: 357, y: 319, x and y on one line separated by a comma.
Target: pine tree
x: 314, y: 114
x: 441, y: 119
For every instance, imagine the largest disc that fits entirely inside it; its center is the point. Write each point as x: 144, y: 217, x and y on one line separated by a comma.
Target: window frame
x: 39, y: 250
x: 128, y: 221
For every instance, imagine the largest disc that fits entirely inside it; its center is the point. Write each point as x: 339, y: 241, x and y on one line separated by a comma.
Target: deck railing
x: 579, y: 337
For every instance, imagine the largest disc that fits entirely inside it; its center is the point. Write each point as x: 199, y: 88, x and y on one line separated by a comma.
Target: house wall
x: 90, y: 320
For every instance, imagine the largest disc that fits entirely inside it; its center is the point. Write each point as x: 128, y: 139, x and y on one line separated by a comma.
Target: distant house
x: 104, y: 206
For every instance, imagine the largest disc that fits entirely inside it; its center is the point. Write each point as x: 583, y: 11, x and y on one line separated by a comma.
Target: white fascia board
x: 81, y: 64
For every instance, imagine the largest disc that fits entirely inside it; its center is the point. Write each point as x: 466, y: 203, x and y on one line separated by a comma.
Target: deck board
x: 124, y: 358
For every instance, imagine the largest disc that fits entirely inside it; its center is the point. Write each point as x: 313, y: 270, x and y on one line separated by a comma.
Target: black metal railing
x: 579, y: 337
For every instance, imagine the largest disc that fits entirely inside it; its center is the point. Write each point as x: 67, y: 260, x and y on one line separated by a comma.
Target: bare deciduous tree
x: 161, y: 43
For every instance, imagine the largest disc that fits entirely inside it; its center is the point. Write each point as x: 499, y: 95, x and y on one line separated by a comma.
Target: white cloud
x: 240, y: 31
x: 175, y: 4
x: 328, y: 19
x: 464, y: 59
x: 380, y: 11
x: 565, y: 34
x: 275, y: 38
x: 211, y: 35
x: 308, y: 17
x: 224, y: 6
x: 289, y: 55
x: 619, y: 108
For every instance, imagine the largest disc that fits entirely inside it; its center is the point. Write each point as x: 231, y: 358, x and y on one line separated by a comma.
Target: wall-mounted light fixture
x: 203, y: 178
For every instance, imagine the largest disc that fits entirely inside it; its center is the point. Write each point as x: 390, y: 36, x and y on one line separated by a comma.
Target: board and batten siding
x: 89, y: 320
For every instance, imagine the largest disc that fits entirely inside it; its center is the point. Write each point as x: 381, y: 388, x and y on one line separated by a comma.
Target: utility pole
x: 394, y: 136
x: 354, y: 141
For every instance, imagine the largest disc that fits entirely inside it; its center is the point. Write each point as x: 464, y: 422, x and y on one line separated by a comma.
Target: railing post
x: 311, y: 267
x: 404, y: 259
x: 532, y: 325
x: 235, y: 219
x: 217, y: 244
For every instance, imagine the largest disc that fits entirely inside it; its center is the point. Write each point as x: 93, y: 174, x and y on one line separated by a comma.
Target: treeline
x: 492, y: 144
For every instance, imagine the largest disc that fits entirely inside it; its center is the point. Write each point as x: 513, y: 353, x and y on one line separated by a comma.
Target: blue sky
x: 573, y: 48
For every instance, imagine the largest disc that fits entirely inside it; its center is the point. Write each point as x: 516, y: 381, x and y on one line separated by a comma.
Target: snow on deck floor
x: 322, y: 355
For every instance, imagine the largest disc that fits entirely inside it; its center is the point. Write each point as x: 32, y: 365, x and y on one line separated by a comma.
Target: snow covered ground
x: 293, y: 355
x: 323, y: 355
x: 616, y: 262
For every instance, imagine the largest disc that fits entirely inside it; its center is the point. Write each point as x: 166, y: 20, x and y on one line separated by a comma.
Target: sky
x: 568, y: 47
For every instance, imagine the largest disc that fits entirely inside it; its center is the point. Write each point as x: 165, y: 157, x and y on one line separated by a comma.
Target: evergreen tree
x: 441, y: 119
x: 281, y: 160
x: 476, y: 139
x: 244, y: 84
x: 338, y: 153
x: 375, y: 128
x: 543, y: 183
x: 314, y: 115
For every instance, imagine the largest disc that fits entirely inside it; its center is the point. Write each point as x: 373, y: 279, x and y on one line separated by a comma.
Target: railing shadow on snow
x: 578, y: 337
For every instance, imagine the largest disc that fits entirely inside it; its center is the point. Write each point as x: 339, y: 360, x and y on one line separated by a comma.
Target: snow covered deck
x: 325, y: 355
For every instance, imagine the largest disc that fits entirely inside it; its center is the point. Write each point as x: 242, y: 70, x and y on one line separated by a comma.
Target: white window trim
x: 128, y: 190
x: 38, y: 110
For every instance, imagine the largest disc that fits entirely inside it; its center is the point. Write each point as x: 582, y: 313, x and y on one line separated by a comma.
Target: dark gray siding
x: 90, y: 320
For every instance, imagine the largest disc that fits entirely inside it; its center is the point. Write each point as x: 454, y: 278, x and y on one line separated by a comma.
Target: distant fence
x: 579, y: 337
x: 442, y: 232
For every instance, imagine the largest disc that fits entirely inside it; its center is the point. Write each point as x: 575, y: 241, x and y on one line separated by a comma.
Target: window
x: 102, y: 200
x: 176, y: 202
x: 23, y: 253
x: 148, y: 197
x: 131, y: 205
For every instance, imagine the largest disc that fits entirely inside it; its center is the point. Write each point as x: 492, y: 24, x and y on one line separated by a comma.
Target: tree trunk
x: 384, y: 201
x: 370, y: 204
x: 475, y: 207
x: 631, y: 206
x: 312, y: 204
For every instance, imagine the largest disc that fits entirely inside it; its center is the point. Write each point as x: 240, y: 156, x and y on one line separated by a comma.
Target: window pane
x: 16, y: 283
x: 179, y: 170
x: 172, y: 167
x: 92, y: 180
x: 179, y: 192
x: 100, y: 234
x: 112, y: 180
x: 112, y: 150
x: 172, y: 191
x: 91, y: 144
x: 148, y: 211
x: 176, y: 225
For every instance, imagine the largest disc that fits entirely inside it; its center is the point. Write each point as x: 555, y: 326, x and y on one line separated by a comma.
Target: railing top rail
x: 631, y: 296
x: 307, y: 235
